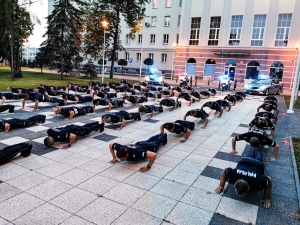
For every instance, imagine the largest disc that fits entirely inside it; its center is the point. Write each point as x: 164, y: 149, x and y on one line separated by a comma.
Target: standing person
x: 198, y: 113
x: 248, y: 176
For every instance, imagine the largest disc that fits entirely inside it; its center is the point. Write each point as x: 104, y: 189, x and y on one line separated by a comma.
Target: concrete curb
x: 295, y: 171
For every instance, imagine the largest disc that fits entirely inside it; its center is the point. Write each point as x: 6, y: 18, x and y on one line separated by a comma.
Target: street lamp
x: 290, y: 111
x: 105, y: 25
x: 296, y: 97
x: 174, y: 46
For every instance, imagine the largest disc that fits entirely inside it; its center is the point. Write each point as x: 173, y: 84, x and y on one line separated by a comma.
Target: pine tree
x: 65, y: 25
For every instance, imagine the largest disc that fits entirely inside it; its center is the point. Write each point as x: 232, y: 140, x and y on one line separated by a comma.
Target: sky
x: 40, y: 10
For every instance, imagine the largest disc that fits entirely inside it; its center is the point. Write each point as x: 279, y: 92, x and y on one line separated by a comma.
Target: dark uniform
x: 168, y: 102
x: 63, y: 133
x: 189, y: 88
x: 54, y: 87
x: 181, y: 126
x: 250, y: 169
x: 223, y: 103
x: 232, y: 98
x: 165, y: 92
x: 200, y: 114
x: 10, y: 108
x: 106, y: 101
x: 241, y: 94
x: 196, y: 94
x: 95, y: 83
x: 212, y: 90
x: 271, y: 102
x: 10, y: 96
x: 151, y: 88
x: 254, y: 122
x: 178, y: 89
x: 72, y: 97
x: 101, y: 94
x: 215, y: 106
x: 19, y: 123
x: 270, y: 115
x: 272, y: 107
x: 151, y: 108
x: 150, y: 95
x: 119, y: 116
x: 260, y: 134
x: 133, y: 98
x: 186, y: 96
x: 272, y: 98
x: 24, y: 90
x: 44, y: 98
x: 205, y: 93
x: 77, y: 111
x: 12, y: 151
x: 238, y: 97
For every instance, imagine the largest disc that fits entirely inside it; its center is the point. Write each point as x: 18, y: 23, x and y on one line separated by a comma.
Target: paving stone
x: 228, y: 157
x: 75, y: 220
x: 75, y: 176
x: 151, y: 121
x: 187, y: 214
x: 170, y: 189
x: 117, y: 173
x: 54, y: 169
x: 264, y: 218
x: 10, y: 171
x: 181, y: 176
x: 105, y: 137
x: 223, y: 220
x: 212, y: 172
x: 45, y: 214
x: 7, y: 191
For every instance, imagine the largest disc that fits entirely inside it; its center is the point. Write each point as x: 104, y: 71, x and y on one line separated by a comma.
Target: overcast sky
x: 39, y: 9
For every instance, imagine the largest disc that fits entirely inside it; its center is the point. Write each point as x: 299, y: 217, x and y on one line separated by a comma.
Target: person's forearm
x: 3, y: 100
x: 152, y: 114
x: 112, y: 151
x: 268, y: 189
x: 233, y: 143
x: 23, y: 103
x: 71, y: 115
x: 184, y: 118
x: 272, y: 133
x: 7, y: 126
x: 276, y: 150
x: 249, y: 128
x: 277, y: 112
x: 187, y: 134
x: 221, y: 112
x: 151, y: 161
x: 36, y: 105
x: 76, y: 100
x: 109, y: 106
x: 162, y: 129
x: 258, y: 110
x: 72, y: 139
x: 202, y: 107
x: 136, y: 102
x: 123, y: 124
x: 276, y: 120
x: 102, y: 120
x: 223, y: 178
x: 206, y: 122
x: 191, y: 102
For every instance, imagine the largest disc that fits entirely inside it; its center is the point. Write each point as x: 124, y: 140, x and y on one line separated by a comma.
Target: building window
x: 140, y: 39
x: 258, y: 30
x: 180, y: 3
x: 127, y: 56
x: 155, y: 4
x: 215, y: 24
x: 283, y: 30
x: 166, y: 39
x: 138, y: 56
x: 195, y: 30
x: 179, y: 18
x: 153, y: 21
x: 127, y: 39
x: 276, y: 71
x: 177, y: 38
x: 168, y: 3
x: 163, y: 58
x: 252, y: 70
x: 235, y: 31
x: 151, y: 56
x: 152, y: 38
x: 167, y: 21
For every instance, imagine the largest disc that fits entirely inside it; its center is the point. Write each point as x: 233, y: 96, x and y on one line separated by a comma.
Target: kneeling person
x: 178, y: 127
x: 150, y: 109
x: 248, y: 176
x: 138, y: 151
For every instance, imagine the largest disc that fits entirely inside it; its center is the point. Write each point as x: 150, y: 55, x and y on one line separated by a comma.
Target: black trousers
x: 153, y: 143
x: 189, y: 125
x: 10, y: 108
x: 88, y: 98
x: 86, y: 129
x: 10, y: 152
x: 53, y: 100
x: 19, y: 123
x: 11, y: 96
x: 128, y: 116
x: 84, y: 110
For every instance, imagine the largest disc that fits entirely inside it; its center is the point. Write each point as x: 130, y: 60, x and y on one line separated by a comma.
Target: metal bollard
x: 208, y: 81
x: 235, y: 83
x: 196, y: 78
x: 191, y: 82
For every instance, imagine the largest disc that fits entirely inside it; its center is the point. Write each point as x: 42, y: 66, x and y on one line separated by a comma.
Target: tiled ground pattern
x: 80, y: 186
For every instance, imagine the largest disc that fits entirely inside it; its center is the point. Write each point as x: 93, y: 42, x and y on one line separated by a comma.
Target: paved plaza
x: 78, y: 186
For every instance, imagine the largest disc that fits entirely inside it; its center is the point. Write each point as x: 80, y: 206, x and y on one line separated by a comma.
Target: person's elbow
x: 110, y: 145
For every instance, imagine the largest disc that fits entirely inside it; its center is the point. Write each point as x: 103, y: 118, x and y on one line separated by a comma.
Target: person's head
x: 268, y: 107
x: 96, y: 102
x: 36, y: 90
x: 122, y: 154
x: 107, y: 118
x: 210, y: 104
x: 64, y: 96
x: 193, y: 112
x: 41, y: 85
x: 265, y: 115
x: 241, y: 187
x: 57, y: 110
x: 48, y: 141
x: 254, y: 142
x: 229, y: 96
x: 25, y: 96
x: 51, y: 88
x: 96, y: 92
x: 170, y: 126
x: 8, y: 88
x: 262, y: 122
x: 142, y: 108
x: 69, y: 87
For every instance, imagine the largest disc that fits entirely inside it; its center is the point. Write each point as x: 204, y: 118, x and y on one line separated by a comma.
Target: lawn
x: 287, y: 99
x: 34, y: 79
x: 296, y: 145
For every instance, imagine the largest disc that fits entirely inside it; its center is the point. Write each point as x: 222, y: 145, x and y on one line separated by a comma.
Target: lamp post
x: 173, y: 62
x: 141, y: 54
x: 291, y: 111
x: 104, y: 24
x: 297, y: 89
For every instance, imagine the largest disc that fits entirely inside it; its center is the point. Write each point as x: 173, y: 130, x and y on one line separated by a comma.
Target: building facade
x: 29, y: 53
x: 245, y: 39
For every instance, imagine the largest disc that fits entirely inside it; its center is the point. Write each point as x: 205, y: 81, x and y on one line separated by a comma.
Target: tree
x: 78, y: 59
x: 148, y: 62
x: 89, y: 69
x: 122, y: 62
x: 100, y: 61
x: 65, y: 25
x: 16, y: 26
x: 113, y: 11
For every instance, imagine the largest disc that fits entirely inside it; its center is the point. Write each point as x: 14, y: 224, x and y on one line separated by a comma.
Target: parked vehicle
x: 155, y: 77
x: 264, y: 86
x: 184, y: 79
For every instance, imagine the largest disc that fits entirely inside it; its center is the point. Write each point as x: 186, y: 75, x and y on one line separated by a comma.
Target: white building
x: 29, y: 53
x: 243, y: 38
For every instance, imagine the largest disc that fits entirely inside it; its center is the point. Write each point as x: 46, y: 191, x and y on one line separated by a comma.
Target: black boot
x: 165, y: 139
x: 161, y: 109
